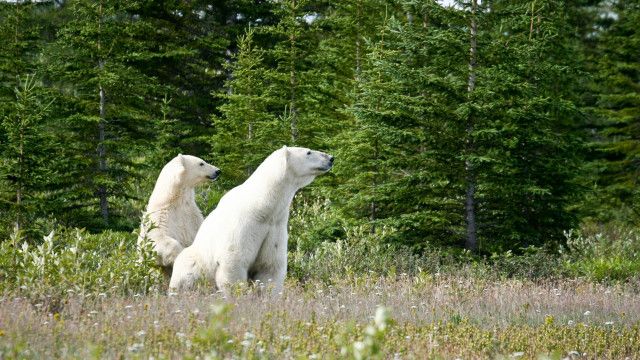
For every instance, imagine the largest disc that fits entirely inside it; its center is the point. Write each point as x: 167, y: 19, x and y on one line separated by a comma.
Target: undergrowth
x: 349, y: 294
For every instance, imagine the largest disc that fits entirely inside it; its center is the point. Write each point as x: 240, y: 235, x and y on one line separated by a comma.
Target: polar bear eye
x: 309, y: 152
x: 201, y: 164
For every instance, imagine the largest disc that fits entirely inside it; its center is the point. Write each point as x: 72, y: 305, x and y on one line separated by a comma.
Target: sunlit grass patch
x: 366, y: 317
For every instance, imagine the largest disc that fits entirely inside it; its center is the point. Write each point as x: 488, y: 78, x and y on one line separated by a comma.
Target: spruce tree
x: 431, y: 124
x: 189, y: 43
x: 25, y: 137
x: 614, y: 106
x: 24, y: 165
x: 403, y: 161
x: 20, y: 44
x: 90, y: 62
x: 248, y: 129
x: 272, y: 97
x: 525, y: 156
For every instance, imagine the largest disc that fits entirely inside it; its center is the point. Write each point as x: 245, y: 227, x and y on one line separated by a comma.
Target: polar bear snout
x: 214, y: 175
x: 328, y: 163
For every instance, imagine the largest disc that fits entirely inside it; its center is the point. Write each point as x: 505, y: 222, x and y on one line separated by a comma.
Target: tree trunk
x: 358, y: 40
x: 373, y: 208
x: 293, y: 111
x: 20, y: 179
x: 293, y: 82
x: 250, y: 142
x: 102, y: 161
x: 471, y: 242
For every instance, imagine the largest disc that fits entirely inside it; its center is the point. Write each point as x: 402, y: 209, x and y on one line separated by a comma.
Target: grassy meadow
x: 80, y: 295
x: 402, y: 317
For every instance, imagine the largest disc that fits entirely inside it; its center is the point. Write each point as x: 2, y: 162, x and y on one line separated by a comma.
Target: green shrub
x: 323, y: 246
x: 603, y: 253
x: 359, y: 252
x: 314, y: 222
x: 74, y: 260
x: 533, y: 263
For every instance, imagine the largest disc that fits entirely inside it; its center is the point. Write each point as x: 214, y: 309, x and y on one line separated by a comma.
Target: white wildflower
x: 136, y: 347
x: 382, y: 315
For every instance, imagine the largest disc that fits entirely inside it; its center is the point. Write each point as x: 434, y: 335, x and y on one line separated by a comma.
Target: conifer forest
x: 484, y: 201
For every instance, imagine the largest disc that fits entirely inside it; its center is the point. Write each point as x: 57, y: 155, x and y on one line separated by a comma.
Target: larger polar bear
x: 172, y: 218
x: 245, y: 237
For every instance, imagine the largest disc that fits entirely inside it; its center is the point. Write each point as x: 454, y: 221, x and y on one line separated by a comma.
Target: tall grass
x: 348, y: 295
x: 408, y: 317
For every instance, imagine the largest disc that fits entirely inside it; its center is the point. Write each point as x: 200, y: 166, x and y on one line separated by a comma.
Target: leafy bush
x: 74, y: 260
x: 314, y: 222
x: 603, y: 253
x: 533, y: 263
x: 359, y: 252
x: 324, y: 246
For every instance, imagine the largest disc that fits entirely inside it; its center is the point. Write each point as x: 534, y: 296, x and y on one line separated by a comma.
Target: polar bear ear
x: 285, y: 157
x: 179, y: 171
x: 181, y: 159
x: 180, y: 168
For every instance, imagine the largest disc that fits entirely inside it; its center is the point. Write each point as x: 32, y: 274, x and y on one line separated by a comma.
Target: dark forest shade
x: 95, y: 96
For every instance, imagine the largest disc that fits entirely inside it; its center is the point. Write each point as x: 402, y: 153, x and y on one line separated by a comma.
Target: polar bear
x: 245, y: 237
x: 172, y: 217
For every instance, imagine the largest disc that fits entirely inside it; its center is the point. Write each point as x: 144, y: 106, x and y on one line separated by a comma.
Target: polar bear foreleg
x: 167, y: 249
x: 230, y: 274
x: 273, y: 280
x: 185, y: 271
x: 272, y: 259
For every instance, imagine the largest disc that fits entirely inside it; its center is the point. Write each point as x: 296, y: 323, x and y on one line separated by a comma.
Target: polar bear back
x: 237, y: 224
x: 180, y: 219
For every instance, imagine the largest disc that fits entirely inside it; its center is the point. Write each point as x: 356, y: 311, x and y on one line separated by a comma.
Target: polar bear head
x: 182, y: 173
x: 192, y: 170
x: 305, y: 164
x: 185, y: 171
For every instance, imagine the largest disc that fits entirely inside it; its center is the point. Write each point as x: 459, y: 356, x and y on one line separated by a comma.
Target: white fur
x: 245, y: 237
x: 172, y: 214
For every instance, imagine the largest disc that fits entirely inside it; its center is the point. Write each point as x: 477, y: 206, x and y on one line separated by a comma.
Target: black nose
x: 331, y: 159
x: 217, y: 172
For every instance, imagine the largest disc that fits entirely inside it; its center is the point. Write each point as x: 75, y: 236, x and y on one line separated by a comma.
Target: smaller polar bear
x: 245, y: 237
x: 172, y: 218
